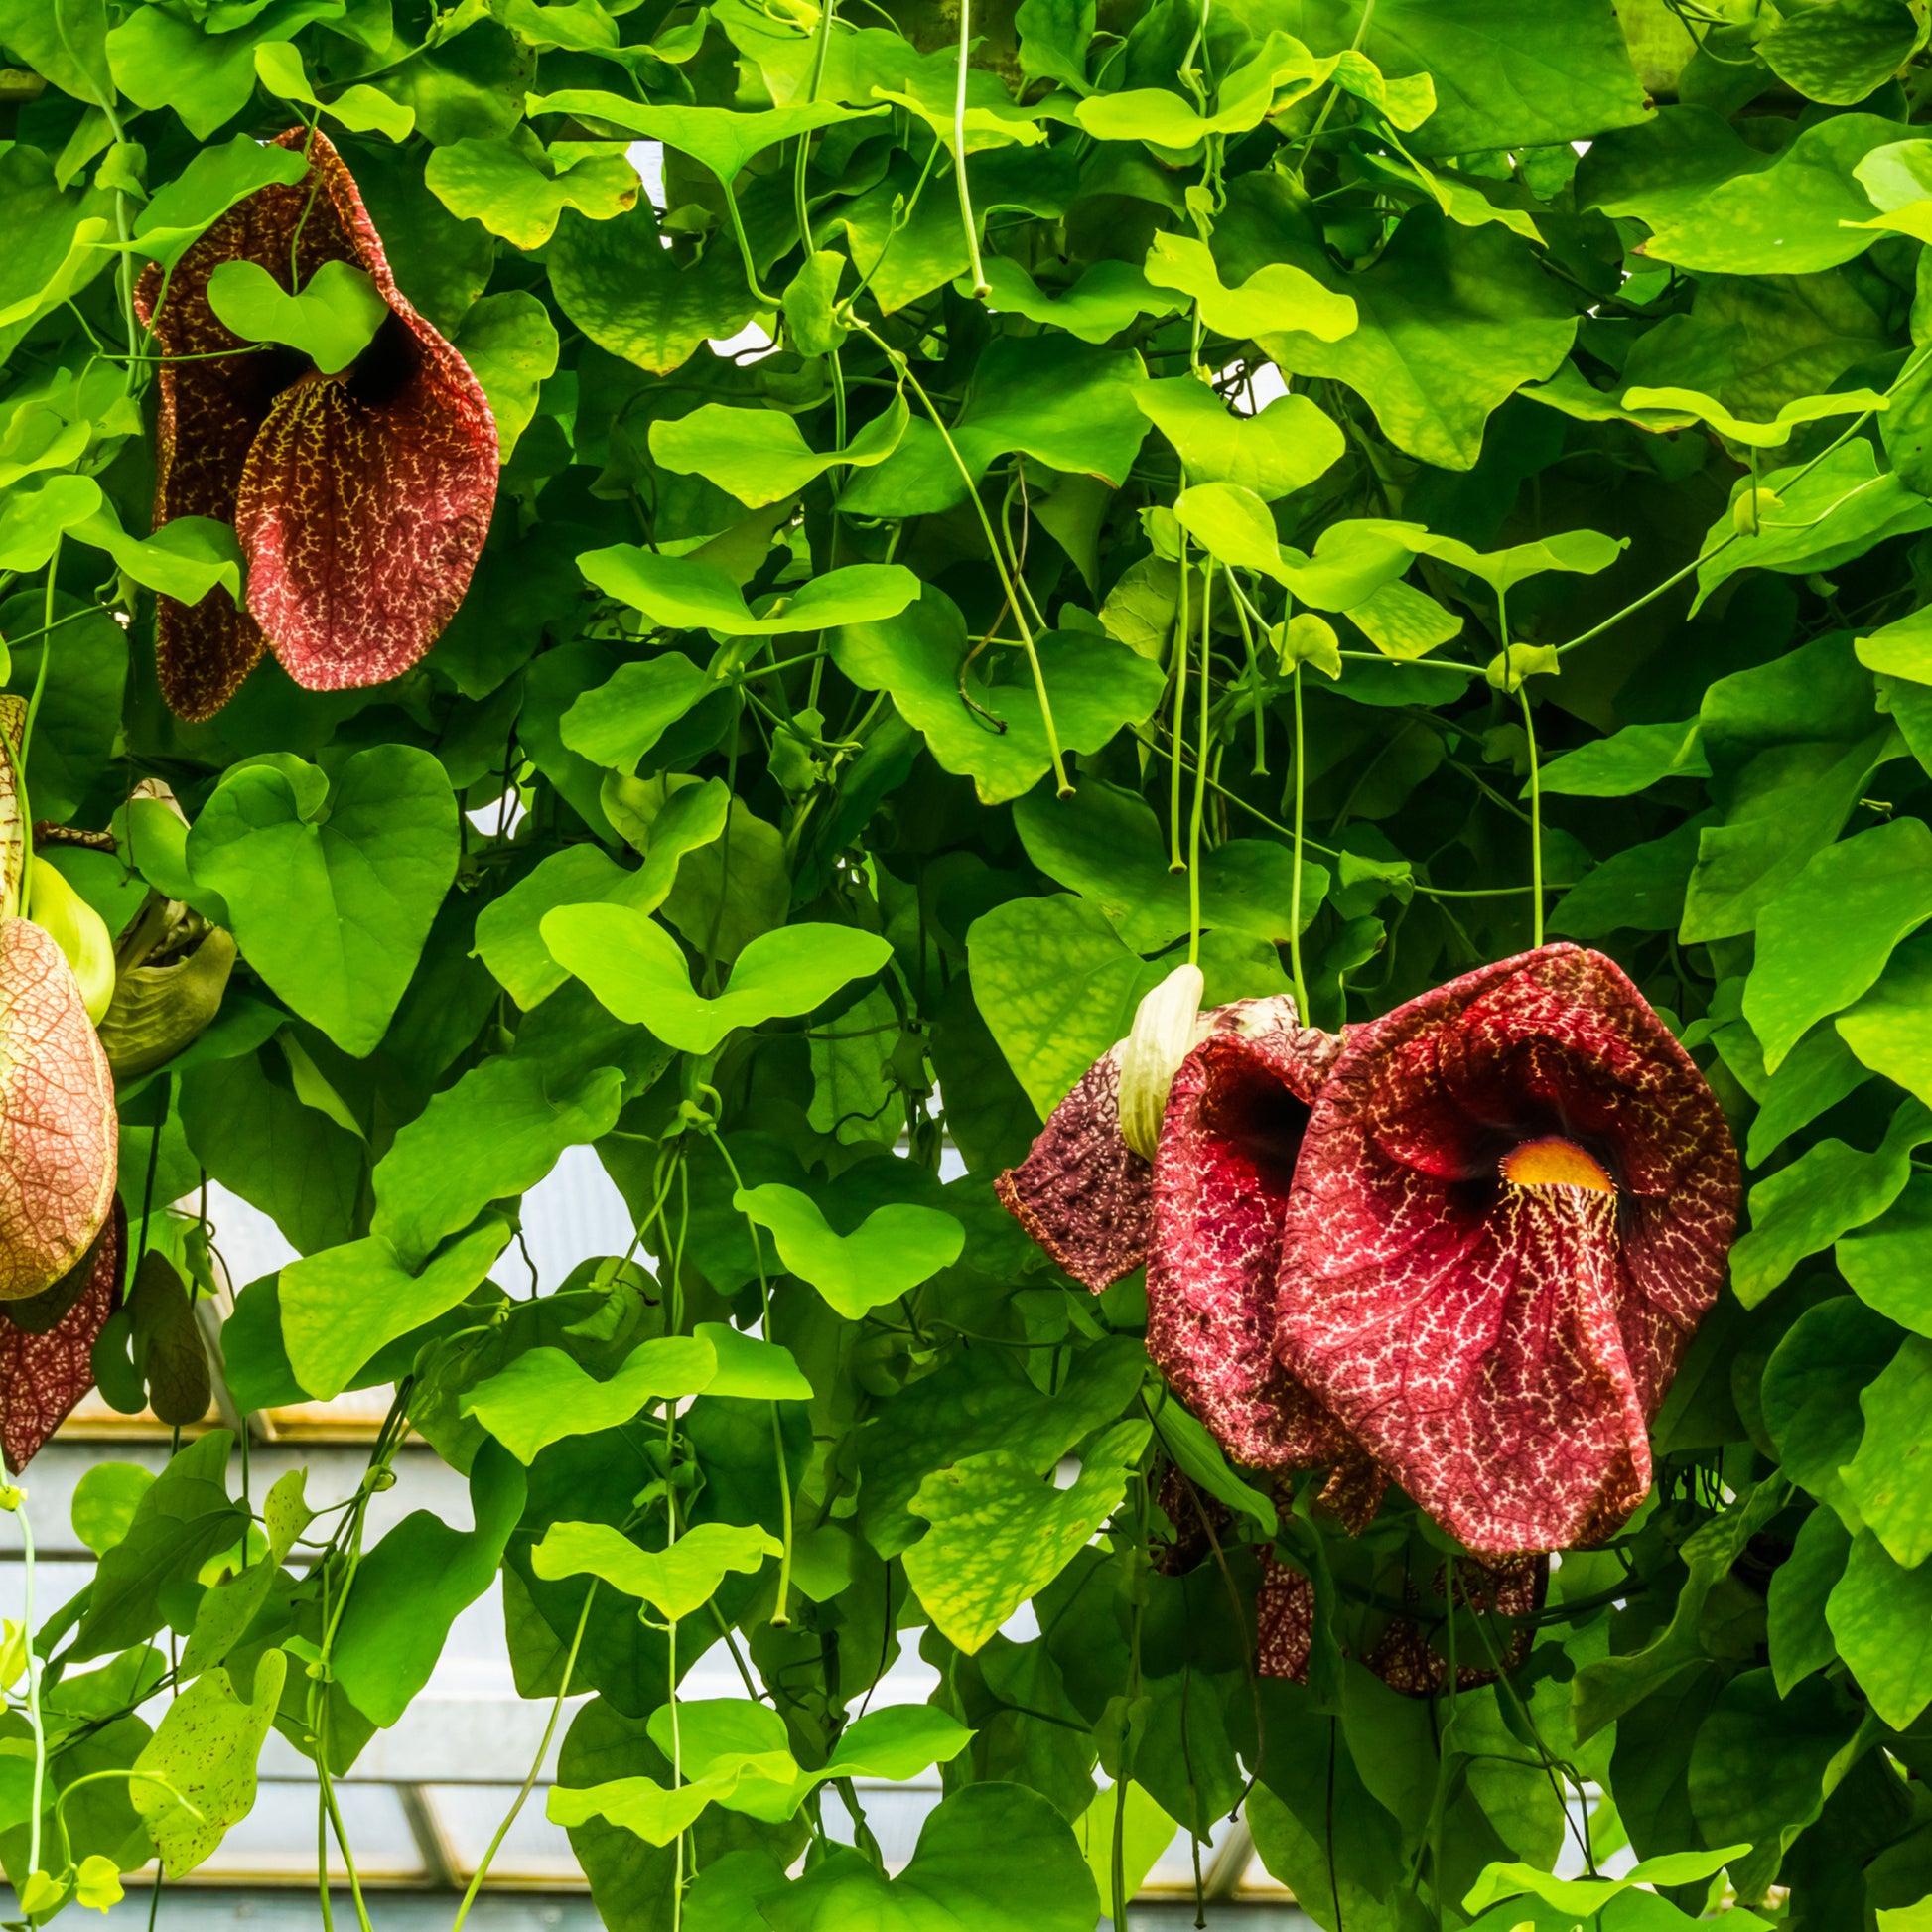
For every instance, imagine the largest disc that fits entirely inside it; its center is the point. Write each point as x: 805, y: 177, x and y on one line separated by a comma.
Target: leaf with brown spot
x: 206, y: 1747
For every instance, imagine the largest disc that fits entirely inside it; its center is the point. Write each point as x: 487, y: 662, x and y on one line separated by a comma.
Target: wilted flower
x: 1513, y: 1203
x: 171, y: 970
x: 362, y: 498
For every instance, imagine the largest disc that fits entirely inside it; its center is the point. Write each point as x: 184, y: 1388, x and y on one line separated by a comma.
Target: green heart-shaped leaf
x: 637, y: 969
x: 682, y: 594
x: 330, y: 903
x: 674, y: 1582
x: 331, y: 320
x: 894, y: 1249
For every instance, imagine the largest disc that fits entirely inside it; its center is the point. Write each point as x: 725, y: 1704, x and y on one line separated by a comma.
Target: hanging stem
x: 1061, y: 785
x: 16, y: 1501
x: 781, y: 1620
x: 536, y: 1763
x: 1294, y: 890
x: 1200, y: 773
x: 1536, y: 819
x: 678, y: 1776
x: 745, y: 249
x: 1176, y: 861
x: 981, y: 287
x: 822, y: 46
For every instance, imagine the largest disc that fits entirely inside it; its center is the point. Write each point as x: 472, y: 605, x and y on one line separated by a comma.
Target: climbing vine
x: 1196, y: 737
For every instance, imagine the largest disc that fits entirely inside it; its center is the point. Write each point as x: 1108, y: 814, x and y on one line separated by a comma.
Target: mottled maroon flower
x: 47, y: 1344
x: 1082, y: 1193
x: 1513, y: 1203
x: 362, y: 498
x: 1221, y: 1182
x: 1205, y: 1216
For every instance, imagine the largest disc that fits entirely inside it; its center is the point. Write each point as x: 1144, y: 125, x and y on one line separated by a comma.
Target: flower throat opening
x: 1553, y: 1162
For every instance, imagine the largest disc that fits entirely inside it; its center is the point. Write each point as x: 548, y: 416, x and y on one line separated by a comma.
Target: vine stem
x: 26, y: 802
x: 536, y: 1764
x: 1329, y: 102
x: 1176, y: 861
x: 1536, y: 819
x: 903, y: 365
x: 1200, y: 773
x: 1294, y: 890
x: 982, y: 288
x: 16, y: 1501
x: 781, y: 1620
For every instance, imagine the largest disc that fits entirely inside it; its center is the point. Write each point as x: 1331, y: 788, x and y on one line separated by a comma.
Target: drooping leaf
x: 493, y: 1134
x: 999, y: 740
x: 683, y: 594
x: 634, y: 967
x: 889, y: 1253
x: 206, y: 1748
x: 1828, y: 1191
x: 1280, y: 448
x: 1451, y: 322
x: 515, y: 189
x: 330, y: 318
x: 676, y: 1582
x: 1867, y: 893
x: 1000, y: 1533
x: 411, y: 1587
x: 1059, y: 401
x: 1879, y: 1614
x: 340, y: 1307
x: 1058, y: 987
x: 760, y: 456
x: 989, y: 1855
x: 1272, y: 301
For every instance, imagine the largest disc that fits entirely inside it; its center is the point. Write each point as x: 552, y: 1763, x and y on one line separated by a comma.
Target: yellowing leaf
x: 1275, y: 297
x: 675, y: 1580
x: 206, y: 1747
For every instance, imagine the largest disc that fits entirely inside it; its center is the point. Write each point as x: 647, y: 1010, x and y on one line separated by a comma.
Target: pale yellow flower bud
x: 1164, y: 1026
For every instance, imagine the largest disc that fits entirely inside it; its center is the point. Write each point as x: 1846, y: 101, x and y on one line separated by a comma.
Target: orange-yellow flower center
x: 1553, y: 1162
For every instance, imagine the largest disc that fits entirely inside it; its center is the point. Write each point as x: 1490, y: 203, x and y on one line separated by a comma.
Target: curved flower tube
x: 1223, y: 1178
x: 1205, y: 1216
x: 1512, y: 1206
x: 362, y: 498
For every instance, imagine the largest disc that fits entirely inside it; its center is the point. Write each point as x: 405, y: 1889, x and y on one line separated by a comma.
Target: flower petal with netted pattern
x: 46, y: 1370
x: 362, y: 498
x: 1221, y: 1184
x: 1513, y: 1205
x: 1082, y: 1193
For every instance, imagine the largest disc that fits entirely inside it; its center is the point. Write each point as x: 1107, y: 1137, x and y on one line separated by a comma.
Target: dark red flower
x: 361, y: 499
x: 1221, y: 1179
x: 1513, y: 1203
x: 47, y: 1344
x: 1205, y: 1216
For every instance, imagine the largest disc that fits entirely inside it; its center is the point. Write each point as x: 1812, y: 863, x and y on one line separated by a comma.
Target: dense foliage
x: 1477, y: 448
